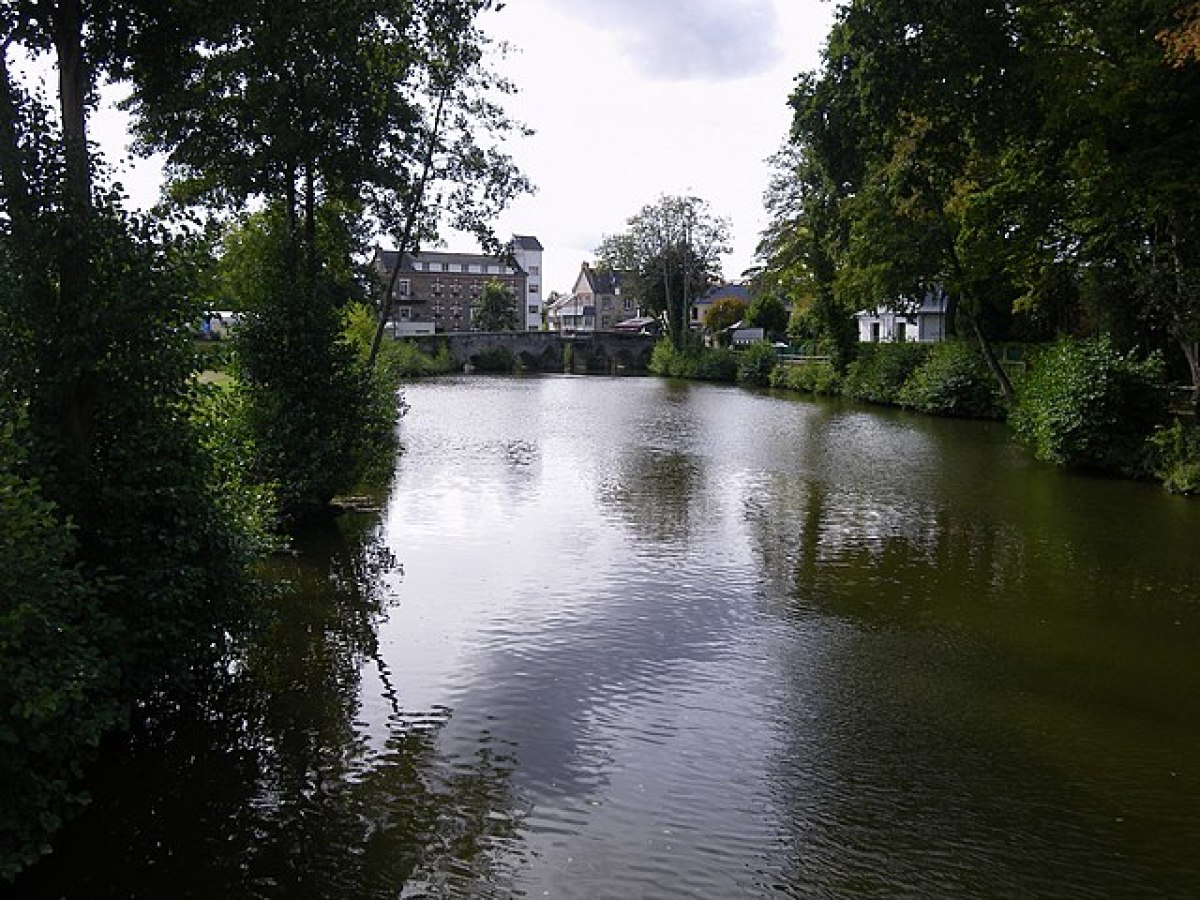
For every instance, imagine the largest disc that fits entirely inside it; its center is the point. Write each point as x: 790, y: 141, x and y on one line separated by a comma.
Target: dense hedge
x: 880, y: 371
x: 1086, y: 405
x: 811, y: 377
x: 1176, y: 453
x: 699, y: 363
x: 953, y: 381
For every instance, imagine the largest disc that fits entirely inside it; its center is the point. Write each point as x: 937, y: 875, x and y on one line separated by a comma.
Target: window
x: 402, y: 287
x: 627, y: 304
x: 875, y: 332
x: 901, y: 335
x: 405, y: 313
x: 533, y: 308
x: 533, y: 289
x: 533, y: 270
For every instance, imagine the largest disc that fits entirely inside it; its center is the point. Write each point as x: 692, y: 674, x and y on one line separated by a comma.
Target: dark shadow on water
x: 265, y: 782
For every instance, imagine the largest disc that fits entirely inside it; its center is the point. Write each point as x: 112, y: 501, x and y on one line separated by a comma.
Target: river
x: 628, y: 637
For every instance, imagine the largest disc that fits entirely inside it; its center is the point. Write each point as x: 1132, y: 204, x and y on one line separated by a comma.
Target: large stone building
x: 436, y: 291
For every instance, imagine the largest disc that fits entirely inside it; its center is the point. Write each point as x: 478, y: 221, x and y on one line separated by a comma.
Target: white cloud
x: 700, y: 39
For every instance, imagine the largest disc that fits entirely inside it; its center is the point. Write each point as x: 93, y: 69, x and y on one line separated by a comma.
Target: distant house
x: 601, y: 289
x: 701, y: 305
x: 436, y: 291
x: 570, y: 314
x: 925, y: 323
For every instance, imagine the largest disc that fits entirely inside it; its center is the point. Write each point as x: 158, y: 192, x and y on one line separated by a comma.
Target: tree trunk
x: 989, y: 356
x: 1191, y: 350
x: 410, y: 223
x: 69, y: 337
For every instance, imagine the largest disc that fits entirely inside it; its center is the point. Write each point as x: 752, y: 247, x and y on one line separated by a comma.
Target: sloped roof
x: 386, y: 259
x: 526, y: 242
x: 725, y: 291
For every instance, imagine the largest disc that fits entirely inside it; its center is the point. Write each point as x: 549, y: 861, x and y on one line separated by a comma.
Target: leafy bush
x: 694, y: 362
x: 879, y: 372
x: 397, y: 359
x: 755, y: 363
x: 318, y: 417
x: 813, y: 377
x: 953, y: 381
x: 57, y: 689
x: 1085, y: 404
x: 716, y: 365
x: 1177, y: 457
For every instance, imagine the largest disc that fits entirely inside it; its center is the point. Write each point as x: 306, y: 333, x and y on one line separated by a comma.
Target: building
x: 436, y: 291
x: 570, y: 314
x: 701, y: 305
x: 527, y: 252
x: 923, y: 323
x: 596, y: 303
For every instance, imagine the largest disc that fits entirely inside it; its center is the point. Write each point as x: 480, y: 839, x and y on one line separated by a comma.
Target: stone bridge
x: 605, y: 353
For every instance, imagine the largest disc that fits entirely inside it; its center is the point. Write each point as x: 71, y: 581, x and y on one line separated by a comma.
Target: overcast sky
x: 633, y: 99
x: 630, y: 100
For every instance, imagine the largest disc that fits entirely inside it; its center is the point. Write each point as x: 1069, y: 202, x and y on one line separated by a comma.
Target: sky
x: 630, y: 100
x: 635, y: 99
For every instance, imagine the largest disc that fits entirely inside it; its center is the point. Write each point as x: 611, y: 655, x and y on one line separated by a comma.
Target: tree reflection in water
x: 274, y: 778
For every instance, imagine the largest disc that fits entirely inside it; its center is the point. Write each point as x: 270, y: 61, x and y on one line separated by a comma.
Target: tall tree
x: 496, y: 309
x: 671, y: 252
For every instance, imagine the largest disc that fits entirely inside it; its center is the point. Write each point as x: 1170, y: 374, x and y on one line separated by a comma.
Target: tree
x: 724, y: 314
x: 1182, y: 41
x: 671, y: 252
x: 496, y: 309
x: 372, y: 111
x: 140, y: 573
x: 768, y: 312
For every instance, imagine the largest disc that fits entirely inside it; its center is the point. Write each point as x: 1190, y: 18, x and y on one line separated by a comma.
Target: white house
x: 923, y: 324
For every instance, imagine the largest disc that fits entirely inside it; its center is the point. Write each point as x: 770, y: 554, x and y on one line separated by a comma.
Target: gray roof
x: 723, y: 291
x: 387, y: 259
x: 526, y: 242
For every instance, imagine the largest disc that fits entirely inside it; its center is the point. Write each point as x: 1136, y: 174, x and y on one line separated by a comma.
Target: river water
x: 616, y: 638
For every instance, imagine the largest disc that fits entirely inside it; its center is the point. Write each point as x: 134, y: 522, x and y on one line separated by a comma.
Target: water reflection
x: 973, y: 720
x: 669, y: 640
x: 269, y: 783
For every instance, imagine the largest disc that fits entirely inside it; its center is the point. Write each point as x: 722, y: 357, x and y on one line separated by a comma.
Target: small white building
x: 924, y: 324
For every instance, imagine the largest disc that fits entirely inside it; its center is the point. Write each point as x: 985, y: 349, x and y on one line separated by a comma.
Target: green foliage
x: 495, y: 359
x: 723, y: 314
x: 953, y: 381
x: 398, y: 359
x: 880, y: 371
x: 769, y: 312
x: 755, y: 363
x: 57, y: 689
x: 318, y: 417
x: 694, y: 362
x: 1177, y: 457
x: 1086, y: 405
x: 496, y: 309
x: 669, y: 255
x: 811, y: 377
